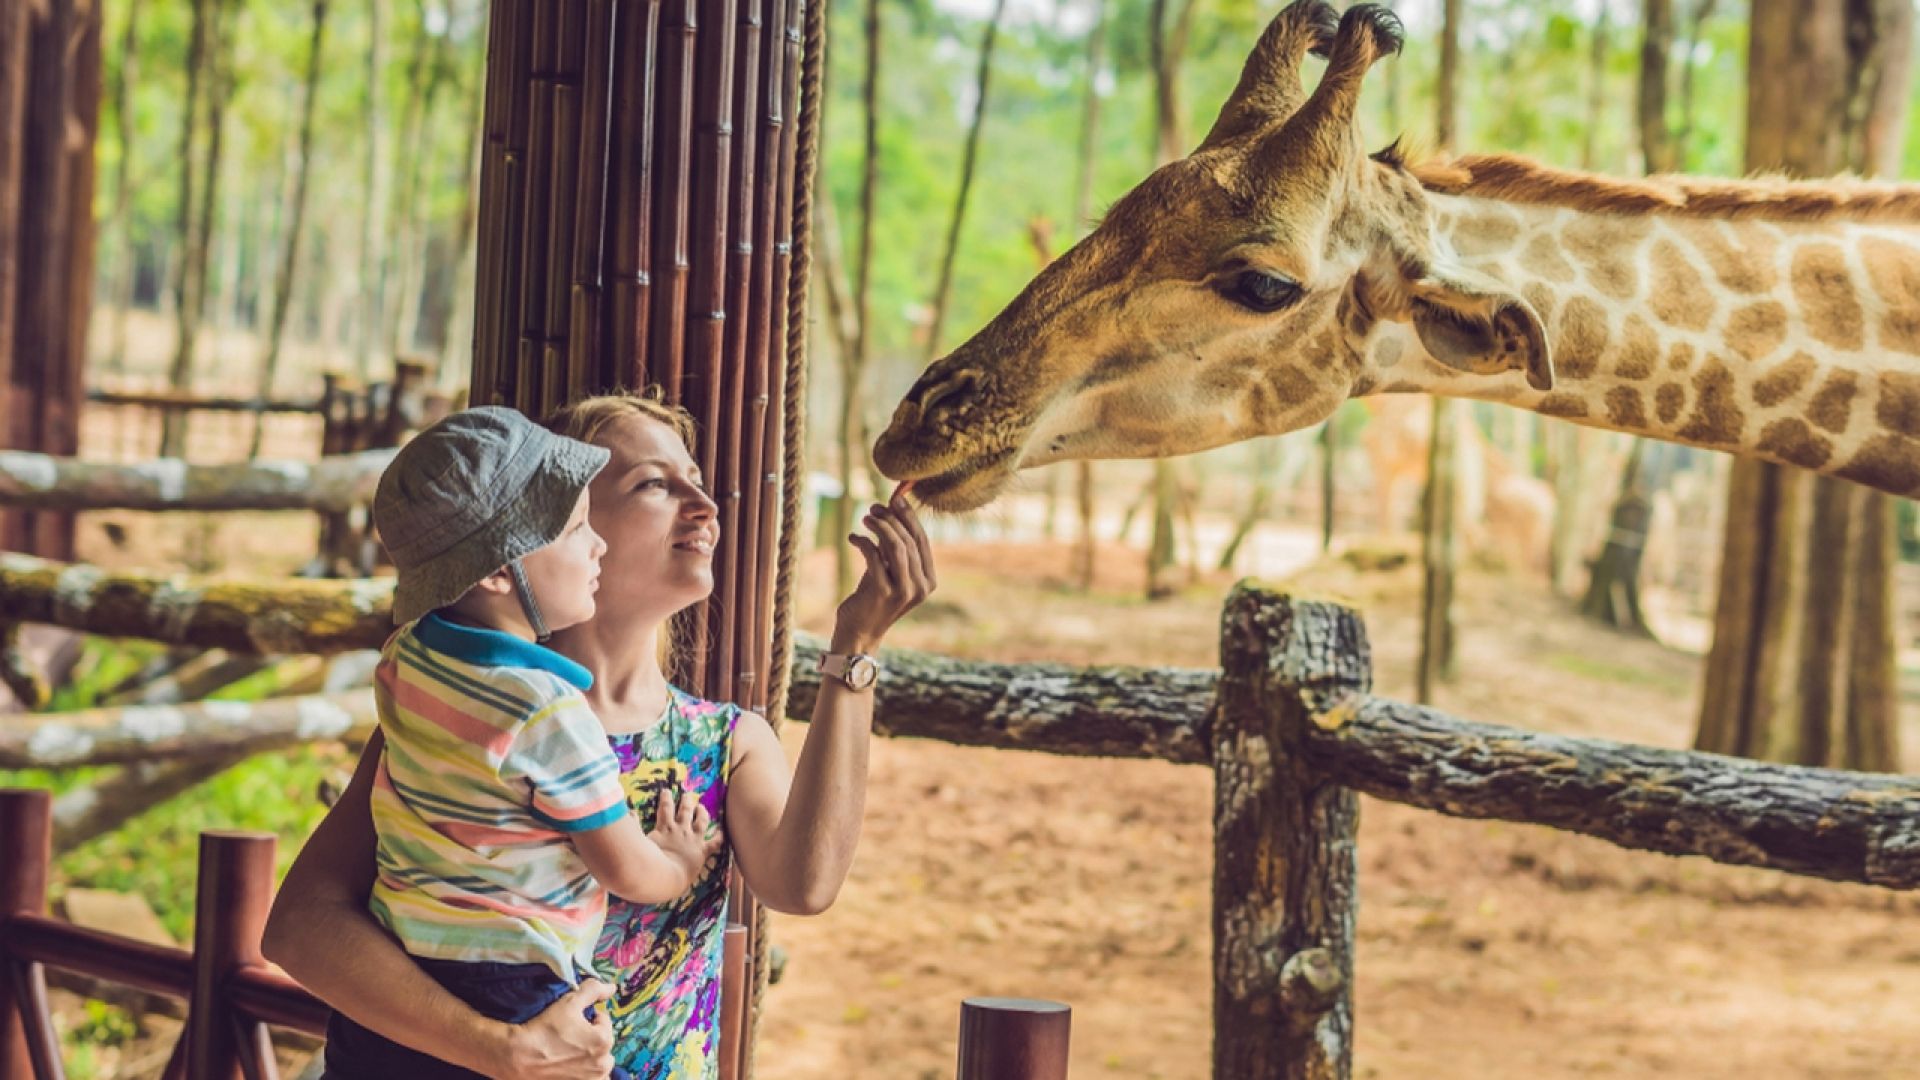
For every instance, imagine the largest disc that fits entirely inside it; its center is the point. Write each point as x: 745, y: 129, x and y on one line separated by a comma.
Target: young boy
x: 501, y: 819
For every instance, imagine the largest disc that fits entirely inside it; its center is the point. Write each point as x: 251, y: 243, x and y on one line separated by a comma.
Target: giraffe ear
x: 1470, y: 323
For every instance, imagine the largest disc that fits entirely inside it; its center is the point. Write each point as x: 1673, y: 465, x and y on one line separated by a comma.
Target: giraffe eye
x: 1262, y: 291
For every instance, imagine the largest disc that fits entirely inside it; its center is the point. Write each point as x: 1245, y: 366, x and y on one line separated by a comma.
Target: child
x: 500, y: 816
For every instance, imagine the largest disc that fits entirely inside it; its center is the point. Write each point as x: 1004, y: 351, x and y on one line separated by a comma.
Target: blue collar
x: 494, y: 648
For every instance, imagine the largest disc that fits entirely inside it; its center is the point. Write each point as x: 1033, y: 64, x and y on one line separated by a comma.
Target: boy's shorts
x: 514, y: 993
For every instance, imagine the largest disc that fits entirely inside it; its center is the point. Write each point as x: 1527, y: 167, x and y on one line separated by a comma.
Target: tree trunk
x: 1266, y: 462
x: 944, y: 287
x: 297, y: 216
x: 427, y: 70
x: 1596, y: 85
x: 1329, y: 453
x: 373, y: 211
x: 1438, y: 557
x: 1083, y: 559
x: 1802, y: 663
x: 853, y: 362
x: 1656, y: 46
x: 1161, y: 547
x: 1613, y: 590
x: 1696, y: 30
x: 120, y: 219
x: 454, y: 336
x: 1168, y: 47
x: 189, y: 276
x: 1613, y: 586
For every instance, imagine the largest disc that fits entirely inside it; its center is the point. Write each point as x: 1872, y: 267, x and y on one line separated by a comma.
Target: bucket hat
x: 471, y: 494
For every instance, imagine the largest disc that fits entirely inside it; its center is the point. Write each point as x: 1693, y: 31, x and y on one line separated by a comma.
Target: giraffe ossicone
x: 1278, y: 270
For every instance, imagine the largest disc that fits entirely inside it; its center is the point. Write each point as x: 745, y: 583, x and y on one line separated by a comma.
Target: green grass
x: 1599, y: 670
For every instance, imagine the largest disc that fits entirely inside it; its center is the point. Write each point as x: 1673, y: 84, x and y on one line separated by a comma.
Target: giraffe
x: 1278, y: 270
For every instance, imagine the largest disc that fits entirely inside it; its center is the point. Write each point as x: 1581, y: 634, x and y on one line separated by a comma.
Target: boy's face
x: 565, y: 574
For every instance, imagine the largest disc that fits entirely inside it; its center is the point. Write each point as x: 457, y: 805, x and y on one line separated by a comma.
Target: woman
x: 792, y: 832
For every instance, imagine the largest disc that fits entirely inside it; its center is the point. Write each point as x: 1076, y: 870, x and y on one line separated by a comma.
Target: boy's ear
x: 499, y: 583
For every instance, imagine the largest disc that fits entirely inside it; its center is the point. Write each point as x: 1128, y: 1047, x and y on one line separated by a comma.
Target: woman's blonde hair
x: 586, y: 419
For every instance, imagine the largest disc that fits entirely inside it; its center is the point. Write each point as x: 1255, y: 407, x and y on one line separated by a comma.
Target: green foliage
x: 155, y: 855
x: 105, y: 1025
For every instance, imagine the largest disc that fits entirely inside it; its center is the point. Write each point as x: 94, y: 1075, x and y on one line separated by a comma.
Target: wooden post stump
x: 1284, y: 891
x: 1013, y: 1039
x: 234, y: 891
x: 27, y: 1045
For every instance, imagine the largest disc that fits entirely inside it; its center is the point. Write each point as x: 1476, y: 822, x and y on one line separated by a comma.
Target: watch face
x: 862, y: 672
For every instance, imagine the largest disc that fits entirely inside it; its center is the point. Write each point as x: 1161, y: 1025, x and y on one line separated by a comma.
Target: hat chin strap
x: 527, y: 604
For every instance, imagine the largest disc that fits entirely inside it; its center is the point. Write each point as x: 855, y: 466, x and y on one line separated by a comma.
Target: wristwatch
x: 858, y: 670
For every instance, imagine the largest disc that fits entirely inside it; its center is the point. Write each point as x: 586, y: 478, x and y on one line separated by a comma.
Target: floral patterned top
x: 663, y: 960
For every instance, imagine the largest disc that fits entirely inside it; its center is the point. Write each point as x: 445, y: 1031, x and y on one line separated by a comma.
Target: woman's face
x: 650, y: 505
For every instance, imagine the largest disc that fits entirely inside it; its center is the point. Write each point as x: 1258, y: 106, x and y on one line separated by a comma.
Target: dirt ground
x: 1485, y: 949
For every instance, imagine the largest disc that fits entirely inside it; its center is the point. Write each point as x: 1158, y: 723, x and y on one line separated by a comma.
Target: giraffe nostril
x: 951, y: 389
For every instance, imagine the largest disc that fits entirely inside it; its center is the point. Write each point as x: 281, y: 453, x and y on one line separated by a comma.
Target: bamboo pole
x: 486, y: 268
x: 543, y: 154
x: 734, y: 664
x: 629, y: 358
x: 569, y: 57
x: 591, y: 222
x: 673, y: 161
x: 703, y: 378
x: 761, y: 176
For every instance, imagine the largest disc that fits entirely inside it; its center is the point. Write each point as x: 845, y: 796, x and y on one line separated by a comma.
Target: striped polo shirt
x: 493, y: 760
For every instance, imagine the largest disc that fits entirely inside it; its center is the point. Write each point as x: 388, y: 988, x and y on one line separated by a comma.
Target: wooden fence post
x: 1013, y: 1039
x: 235, y: 890
x: 26, y: 835
x: 1284, y: 893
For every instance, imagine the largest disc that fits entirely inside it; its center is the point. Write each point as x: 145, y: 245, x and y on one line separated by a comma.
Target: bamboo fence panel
x: 636, y: 190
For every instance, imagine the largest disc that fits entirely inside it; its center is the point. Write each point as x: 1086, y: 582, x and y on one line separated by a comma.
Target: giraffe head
x: 1229, y: 295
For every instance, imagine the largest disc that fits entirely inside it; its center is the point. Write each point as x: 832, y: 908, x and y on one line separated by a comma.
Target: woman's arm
x: 321, y: 932
x: 795, y: 833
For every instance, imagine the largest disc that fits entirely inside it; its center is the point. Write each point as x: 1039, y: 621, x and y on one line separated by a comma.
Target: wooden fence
x: 1293, y: 734
x: 233, y: 995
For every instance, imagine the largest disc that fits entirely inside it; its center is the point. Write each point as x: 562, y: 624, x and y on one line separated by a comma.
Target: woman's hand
x: 561, y: 1043
x: 899, y: 576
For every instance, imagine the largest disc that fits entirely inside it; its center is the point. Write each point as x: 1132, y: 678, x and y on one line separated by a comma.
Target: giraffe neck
x: 1794, y: 342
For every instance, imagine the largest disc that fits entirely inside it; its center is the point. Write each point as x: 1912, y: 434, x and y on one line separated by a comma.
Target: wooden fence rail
x: 147, y: 733
x: 334, y: 484
x: 284, y: 616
